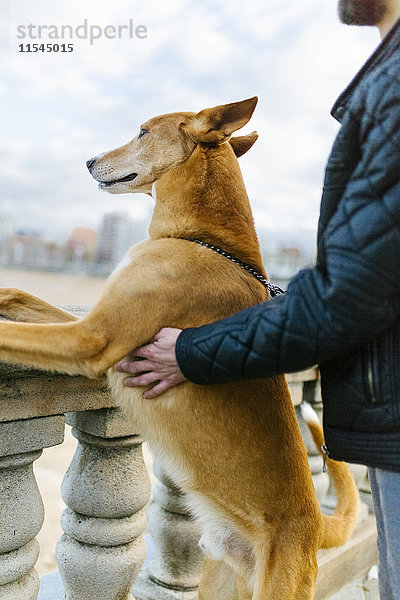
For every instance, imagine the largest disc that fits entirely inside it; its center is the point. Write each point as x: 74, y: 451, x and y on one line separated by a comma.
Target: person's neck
x: 392, y: 15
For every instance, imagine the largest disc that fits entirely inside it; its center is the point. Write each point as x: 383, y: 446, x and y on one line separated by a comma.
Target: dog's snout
x: 90, y: 162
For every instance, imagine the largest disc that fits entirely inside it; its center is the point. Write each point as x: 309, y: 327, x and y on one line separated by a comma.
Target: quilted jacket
x: 344, y: 313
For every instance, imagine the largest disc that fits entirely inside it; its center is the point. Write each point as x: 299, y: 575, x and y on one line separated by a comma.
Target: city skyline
x: 91, y: 252
x: 80, y: 247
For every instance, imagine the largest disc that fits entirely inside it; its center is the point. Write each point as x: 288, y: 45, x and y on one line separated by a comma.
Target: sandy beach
x: 57, y: 288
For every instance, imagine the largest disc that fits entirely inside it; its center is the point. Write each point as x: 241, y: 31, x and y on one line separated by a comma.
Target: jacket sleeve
x: 331, y: 309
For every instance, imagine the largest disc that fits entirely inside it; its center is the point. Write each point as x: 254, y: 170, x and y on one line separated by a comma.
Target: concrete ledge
x: 35, y: 434
x: 146, y: 589
x: 51, y: 587
x: 364, y: 588
x: 27, y: 393
x: 339, y: 576
x: 340, y: 566
x: 40, y: 394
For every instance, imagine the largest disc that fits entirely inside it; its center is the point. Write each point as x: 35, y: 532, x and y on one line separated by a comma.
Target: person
x: 344, y: 312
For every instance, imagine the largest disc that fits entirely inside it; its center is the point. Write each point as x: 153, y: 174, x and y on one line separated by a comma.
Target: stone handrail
x: 106, y: 490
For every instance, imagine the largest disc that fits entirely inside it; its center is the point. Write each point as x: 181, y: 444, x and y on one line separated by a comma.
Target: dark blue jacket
x: 344, y: 313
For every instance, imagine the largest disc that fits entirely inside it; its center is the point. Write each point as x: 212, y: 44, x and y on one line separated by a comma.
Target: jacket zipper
x: 325, y: 453
x: 394, y: 356
x: 370, y: 378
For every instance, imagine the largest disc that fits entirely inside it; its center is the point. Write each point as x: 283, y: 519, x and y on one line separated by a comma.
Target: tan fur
x: 235, y: 449
x: 340, y: 526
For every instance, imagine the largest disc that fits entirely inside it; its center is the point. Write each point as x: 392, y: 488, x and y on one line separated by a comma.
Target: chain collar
x: 274, y: 290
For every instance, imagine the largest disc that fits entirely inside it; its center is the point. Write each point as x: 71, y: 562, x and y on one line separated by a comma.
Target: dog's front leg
x: 88, y: 346
x: 130, y: 312
x: 21, y: 306
x: 66, y: 347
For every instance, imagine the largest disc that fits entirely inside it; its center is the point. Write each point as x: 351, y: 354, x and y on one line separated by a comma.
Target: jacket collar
x: 389, y: 45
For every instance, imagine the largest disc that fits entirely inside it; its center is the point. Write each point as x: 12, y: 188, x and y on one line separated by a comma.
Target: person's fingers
x: 150, y: 350
x: 157, y: 390
x: 141, y: 352
x: 137, y: 366
x: 137, y: 353
x: 140, y: 380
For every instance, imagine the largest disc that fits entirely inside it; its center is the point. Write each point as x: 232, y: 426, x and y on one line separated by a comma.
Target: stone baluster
x: 105, y: 488
x: 21, y: 506
x: 175, y: 570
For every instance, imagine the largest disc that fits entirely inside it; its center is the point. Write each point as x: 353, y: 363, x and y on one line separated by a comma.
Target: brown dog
x: 235, y: 449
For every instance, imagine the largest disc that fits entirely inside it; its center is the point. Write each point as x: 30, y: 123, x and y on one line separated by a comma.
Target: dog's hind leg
x: 285, y: 585
x: 220, y: 582
x: 286, y: 566
x: 21, y: 306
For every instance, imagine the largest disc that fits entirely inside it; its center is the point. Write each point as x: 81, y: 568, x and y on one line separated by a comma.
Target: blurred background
x: 61, y: 108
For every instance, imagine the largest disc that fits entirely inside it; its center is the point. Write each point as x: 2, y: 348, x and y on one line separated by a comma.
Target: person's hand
x: 158, y: 365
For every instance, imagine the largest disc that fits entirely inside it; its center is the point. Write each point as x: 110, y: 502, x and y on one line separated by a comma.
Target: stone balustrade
x: 107, y: 492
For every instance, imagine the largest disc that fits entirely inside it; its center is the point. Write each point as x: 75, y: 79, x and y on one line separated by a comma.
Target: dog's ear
x: 242, y: 143
x: 214, y: 125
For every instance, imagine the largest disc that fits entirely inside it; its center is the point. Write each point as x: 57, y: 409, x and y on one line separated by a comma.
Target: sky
x: 59, y: 109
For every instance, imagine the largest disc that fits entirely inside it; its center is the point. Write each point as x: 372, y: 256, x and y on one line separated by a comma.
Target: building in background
x: 84, y: 251
x: 31, y: 251
x: 283, y: 263
x: 81, y: 248
x: 117, y: 233
x: 6, y: 231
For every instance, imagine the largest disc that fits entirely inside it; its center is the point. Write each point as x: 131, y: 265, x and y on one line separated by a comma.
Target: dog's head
x: 166, y: 141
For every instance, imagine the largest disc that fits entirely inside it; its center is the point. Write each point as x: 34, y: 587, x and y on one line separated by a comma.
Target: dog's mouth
x: 130, y: 177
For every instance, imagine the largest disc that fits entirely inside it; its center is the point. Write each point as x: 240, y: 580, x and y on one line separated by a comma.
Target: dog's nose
x: 90, y: 163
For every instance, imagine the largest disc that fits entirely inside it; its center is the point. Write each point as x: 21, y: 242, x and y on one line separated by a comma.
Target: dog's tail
x: 338, y: 527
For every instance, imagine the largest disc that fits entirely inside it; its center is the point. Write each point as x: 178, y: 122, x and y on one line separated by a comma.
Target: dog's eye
x: 142, y: 132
